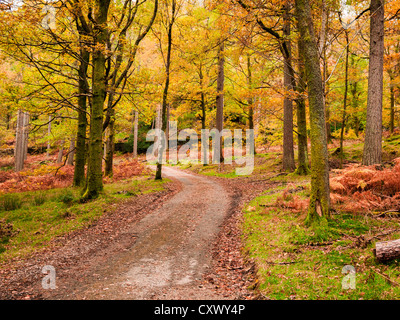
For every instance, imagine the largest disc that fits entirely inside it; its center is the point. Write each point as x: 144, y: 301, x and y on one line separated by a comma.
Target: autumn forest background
x: 83, y: 82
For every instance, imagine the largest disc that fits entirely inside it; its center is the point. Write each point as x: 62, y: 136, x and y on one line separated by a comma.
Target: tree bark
x: 346, y: 88
x: 20, y: 141
x: 250, y: 102
x: 166, y: 86
x: 81, y: 150
x: 218, y: 151
x: 202, y: 99
x: 94, y: 185
x: 110, y: 145
x: 373, y: 131
x: 320, y: 194
x: 303, y: 167
x: 60, y: 152
x: 71, y: 152
x: 392, y: 104
x: 135, y: 134
x: 48, y: 137
x: 25, y: 135
x: 288, y: 80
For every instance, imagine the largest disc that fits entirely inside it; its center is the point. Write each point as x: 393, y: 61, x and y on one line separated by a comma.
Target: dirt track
x: 177, y: 245
x: 172, y: 250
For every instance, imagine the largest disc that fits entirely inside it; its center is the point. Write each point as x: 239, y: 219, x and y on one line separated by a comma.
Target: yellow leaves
x: 361, y: 185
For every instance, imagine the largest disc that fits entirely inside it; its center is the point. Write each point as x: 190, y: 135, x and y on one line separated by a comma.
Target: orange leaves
x: 291, y: 201
x: 43, y: 176
x: 127, y: 169
x: 364, y: 189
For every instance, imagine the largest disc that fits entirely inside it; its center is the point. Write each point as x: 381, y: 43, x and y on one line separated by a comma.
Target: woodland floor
x: 182, y: 243
x: 209, y: 234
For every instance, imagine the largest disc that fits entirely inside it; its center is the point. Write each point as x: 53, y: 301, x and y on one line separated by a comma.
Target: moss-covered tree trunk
x: 319, y: 207
x: 94, y: 185
x: 80, y: 149
x: 303, y: 166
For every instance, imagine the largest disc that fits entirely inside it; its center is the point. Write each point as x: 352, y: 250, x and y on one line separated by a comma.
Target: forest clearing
x: 199, y: 150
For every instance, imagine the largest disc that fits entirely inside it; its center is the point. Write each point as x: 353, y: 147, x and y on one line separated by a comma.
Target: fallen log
x: 387, y: 250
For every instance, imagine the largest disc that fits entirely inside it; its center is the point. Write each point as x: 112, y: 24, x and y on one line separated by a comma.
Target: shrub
x: 39, y: 199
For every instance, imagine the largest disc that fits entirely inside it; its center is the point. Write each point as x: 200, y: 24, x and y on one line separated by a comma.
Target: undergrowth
x: 306, y: 263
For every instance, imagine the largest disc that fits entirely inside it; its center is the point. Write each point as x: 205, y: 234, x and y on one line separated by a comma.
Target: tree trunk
x: 25, y: 135
x: 71, y: 152
x: 373, y: 132
x: 81, y: 150
x: 354, y: 100
x: 21, y: 140
x: 218, y: 151
x: 303, y: 167
x: 94, y: 183
x: 392, y: 105
x: 135, y: 134
x: 60, y: 152
x: 320, y: 198
x: 166, y: 87
x: 110, y: 145
x: 344, y: 115
x: 288, y: 81
x: 250, y: 103
x: 48, y: 137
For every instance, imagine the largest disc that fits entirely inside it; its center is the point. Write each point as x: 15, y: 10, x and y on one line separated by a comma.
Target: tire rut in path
x: 172, y: 251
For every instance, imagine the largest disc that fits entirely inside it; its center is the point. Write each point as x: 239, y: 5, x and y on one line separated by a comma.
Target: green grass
x: 44, y: 215
x: 263, y: 163
x: 295, y: 262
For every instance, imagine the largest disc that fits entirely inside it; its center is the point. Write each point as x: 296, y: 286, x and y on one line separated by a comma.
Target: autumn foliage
x: 39, y: 175
x: 367, y: 189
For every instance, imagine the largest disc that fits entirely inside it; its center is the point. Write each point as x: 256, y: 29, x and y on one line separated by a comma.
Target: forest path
x: 172, y: 251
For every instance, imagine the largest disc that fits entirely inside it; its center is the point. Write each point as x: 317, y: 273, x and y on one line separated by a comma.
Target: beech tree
x: 320, y: 194
x: 170, y: 15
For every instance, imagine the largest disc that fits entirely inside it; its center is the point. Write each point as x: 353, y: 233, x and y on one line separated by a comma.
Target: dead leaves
x: 366, y: 189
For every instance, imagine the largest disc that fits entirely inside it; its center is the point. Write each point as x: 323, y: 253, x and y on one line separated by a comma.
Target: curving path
x: 172, y: 250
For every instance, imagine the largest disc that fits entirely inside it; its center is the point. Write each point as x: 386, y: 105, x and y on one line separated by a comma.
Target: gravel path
x: 172, y: 250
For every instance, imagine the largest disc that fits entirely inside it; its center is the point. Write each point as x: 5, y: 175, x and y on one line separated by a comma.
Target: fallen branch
x: 281, y: 263
x: 387, y: 250
x: 392, y: 282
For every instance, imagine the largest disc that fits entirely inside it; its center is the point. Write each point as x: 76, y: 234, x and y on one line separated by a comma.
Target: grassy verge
x: 30, y: 220
x: 295, y: 262
x: 265, y: 165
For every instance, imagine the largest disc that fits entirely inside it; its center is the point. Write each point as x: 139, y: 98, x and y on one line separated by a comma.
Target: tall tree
x: 169, y: 24
x: 219, y: 157
x: 289, y: 84
x: 320, y: 194
x: 373, y: 131
x: 283, y: 40
x: 303, y: 166
x: 117, y: 72
x: 94, y: 184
